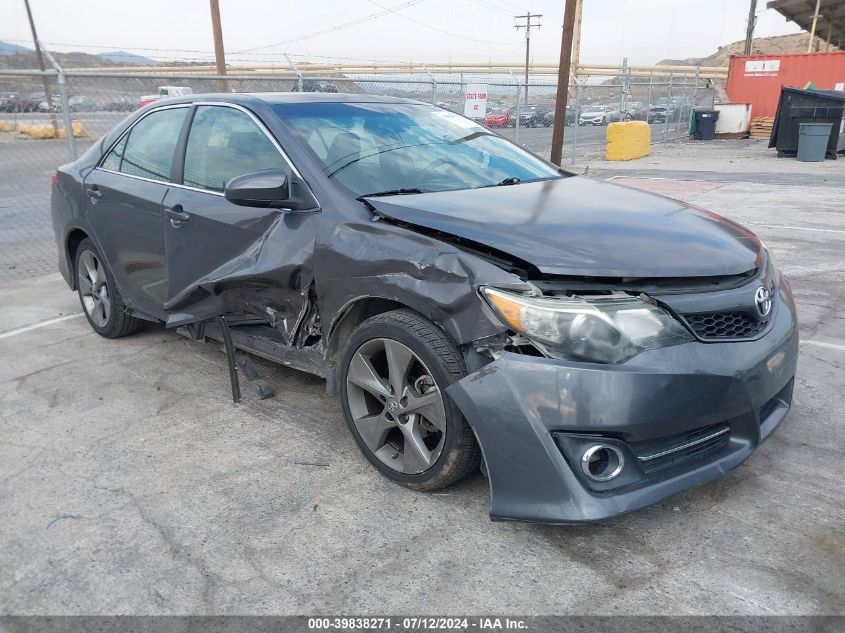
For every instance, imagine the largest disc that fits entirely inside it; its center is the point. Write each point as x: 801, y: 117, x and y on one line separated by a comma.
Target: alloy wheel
x: 396, y: 406
x: 91, y: 279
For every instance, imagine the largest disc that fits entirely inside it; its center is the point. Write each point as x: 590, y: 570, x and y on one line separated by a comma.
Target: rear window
x: 148, y: 150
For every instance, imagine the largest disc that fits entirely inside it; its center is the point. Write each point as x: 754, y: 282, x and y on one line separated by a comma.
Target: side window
x: 115, y: 156
x: 224, y: 143
x: 148, y: 151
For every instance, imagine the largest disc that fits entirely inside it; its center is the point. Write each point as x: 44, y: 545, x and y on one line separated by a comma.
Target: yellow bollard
x: 78, y: 130
x: 41, y: 131
x: 629, y: 140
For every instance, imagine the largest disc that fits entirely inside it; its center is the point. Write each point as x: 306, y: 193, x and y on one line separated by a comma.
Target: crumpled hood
x: 578, y: 226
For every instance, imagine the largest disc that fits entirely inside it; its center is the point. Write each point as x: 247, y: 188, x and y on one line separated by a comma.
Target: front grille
x: 656, y: 455
x: 724, y: 325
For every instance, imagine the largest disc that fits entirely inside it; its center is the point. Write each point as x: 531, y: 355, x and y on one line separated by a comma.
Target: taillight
x: 53, y: 180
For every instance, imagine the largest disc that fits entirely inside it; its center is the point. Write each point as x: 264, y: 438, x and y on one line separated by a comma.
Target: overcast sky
x: 645, y: 31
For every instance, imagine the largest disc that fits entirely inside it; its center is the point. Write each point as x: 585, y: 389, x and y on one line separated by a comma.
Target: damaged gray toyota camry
x: 593, y: 349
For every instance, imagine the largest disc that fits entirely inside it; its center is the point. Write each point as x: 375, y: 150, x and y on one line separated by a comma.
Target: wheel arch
x: 349, y: 317
x: 72, y: 241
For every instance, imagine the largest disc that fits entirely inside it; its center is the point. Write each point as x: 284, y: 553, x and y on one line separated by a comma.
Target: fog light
x: 601, y: 462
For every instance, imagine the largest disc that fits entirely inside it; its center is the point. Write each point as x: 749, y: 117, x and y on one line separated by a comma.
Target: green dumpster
x: 812, y: 141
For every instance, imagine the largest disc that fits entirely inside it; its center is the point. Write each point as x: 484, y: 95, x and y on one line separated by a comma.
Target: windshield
x: 377, y: 147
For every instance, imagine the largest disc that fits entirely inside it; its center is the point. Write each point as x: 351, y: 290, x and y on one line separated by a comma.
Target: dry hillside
x: 779, y: 45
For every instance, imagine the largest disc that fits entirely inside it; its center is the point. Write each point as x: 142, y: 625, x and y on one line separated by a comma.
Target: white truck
x: 164, y: 92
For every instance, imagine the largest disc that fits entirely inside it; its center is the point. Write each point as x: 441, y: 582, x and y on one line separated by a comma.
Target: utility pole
x: 219, y: 54
x: 752, y: 22
x: 47, y: 95
x: 563, y: 79
x: 813, y: 30
x: 528, y: 17
x: 576, y: 38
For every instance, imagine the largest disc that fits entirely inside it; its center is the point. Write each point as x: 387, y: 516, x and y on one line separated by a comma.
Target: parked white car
x: 595, y: 115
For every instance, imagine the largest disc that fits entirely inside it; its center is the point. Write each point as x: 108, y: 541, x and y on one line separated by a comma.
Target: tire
x: 447, y: 450
x: 99, y: 296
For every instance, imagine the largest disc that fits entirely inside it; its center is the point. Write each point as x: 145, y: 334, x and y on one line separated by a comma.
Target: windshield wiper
x: 394, y: 192
x: 512, y: 180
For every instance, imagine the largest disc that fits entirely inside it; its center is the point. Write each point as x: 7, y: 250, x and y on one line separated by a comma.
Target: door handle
x: 177, y: 215
x: 93, y: 192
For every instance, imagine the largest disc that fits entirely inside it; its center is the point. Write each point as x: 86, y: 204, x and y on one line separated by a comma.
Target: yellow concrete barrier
x: 78, y: 130
x: 44, y: 130
x: 24, y: 128
x: 5, y: 126
x: 629, y: 140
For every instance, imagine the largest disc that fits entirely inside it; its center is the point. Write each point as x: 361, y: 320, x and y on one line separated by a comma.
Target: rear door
x: 124, y: 197
x: 222, y: 257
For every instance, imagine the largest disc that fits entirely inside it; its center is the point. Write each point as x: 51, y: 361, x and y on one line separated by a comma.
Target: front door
x: 124, y: 198
x: 227, y: 259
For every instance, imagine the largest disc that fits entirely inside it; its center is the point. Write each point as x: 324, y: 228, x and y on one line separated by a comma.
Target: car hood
x: 578, y: 226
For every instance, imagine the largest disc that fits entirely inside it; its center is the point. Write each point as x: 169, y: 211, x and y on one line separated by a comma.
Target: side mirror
x: 270, y: 188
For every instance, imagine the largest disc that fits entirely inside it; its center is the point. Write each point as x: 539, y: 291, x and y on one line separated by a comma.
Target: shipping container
x: 757, y: 79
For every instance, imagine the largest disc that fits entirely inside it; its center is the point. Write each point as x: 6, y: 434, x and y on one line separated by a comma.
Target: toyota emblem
x: 763, y: 301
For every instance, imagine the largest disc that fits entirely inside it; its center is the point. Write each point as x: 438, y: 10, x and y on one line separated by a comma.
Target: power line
x: 489, y: 6
x: 338, y: 27
x: 439, y: 30
x: 208, y: 52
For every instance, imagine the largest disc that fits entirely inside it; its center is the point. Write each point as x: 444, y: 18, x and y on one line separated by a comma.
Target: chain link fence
x: 49, y: 118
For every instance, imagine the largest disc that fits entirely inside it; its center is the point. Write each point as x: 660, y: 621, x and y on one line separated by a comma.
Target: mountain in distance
x: 124, y: 57
x: 7, y: 48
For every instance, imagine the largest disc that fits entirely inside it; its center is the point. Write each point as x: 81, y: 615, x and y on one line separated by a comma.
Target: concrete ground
x: 130, y: 483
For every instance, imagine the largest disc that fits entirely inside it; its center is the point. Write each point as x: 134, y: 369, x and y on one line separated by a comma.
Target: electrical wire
x: 491, y: 7
x: 338, y: 27
x: 439, y: 30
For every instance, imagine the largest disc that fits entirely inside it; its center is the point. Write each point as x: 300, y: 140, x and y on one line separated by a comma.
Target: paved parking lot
x: 130, y: 483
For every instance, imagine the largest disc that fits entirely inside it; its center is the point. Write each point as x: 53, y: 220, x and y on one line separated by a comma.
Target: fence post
x: 575, y: 119
x: 516, y: 111
x: 623, y: 97
x: 433, y: 84
x: 695, y: 87
x: 296, y: 70
x: 62, y: 81
x: 668, y: 103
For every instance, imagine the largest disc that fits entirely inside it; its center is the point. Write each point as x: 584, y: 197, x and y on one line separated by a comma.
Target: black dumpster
x: 807, y: 106
x: 705, y: 124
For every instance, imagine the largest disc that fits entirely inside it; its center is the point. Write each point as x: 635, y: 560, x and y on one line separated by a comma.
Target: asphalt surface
x: 130, y: 483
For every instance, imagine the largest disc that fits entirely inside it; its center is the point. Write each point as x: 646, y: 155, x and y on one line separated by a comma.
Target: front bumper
x: 523, y: 408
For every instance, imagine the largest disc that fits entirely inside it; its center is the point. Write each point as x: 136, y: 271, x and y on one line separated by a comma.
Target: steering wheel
x: 426, y: 172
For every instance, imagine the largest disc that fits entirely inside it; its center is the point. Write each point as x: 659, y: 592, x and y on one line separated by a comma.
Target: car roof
x: 278, y: 98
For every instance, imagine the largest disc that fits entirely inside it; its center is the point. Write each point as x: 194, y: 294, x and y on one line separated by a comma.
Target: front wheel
x: 99, y: 295
x: 394, y: 374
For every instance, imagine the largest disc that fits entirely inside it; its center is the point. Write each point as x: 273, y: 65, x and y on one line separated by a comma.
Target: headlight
x: 772, y: 271
x: 601, y: 329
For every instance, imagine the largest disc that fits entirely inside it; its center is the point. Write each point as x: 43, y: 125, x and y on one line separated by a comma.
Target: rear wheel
x: 394, y: 371
x: 99, y: 295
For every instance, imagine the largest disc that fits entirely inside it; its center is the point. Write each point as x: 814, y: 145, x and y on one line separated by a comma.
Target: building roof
x: 831, y: 22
